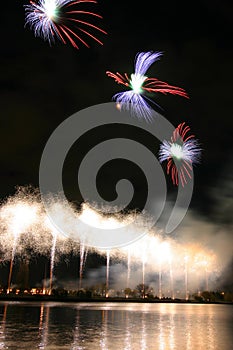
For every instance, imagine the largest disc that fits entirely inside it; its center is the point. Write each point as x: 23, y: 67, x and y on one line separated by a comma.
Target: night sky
x: 42, y: 85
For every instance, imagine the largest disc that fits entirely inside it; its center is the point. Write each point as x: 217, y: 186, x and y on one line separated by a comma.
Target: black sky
x: 42, y: 85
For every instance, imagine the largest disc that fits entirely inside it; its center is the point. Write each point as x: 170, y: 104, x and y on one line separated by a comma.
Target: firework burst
x: 135, y: 99
x: 62, y: 19
x: 181, y: 152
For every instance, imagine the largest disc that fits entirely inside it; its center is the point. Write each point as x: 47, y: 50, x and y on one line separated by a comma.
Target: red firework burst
x: 181, y: 152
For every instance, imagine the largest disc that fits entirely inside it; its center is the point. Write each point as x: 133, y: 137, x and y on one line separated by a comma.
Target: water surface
x: 115, y: 326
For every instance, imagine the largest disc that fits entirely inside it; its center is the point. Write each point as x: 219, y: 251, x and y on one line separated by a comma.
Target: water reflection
x: 113, y: 326
x: 211, y: 331
x: 127, y: 341
x: 43, y: 326
x: 187, y: 332
x: 171, y: 336
x: 2, y: 328
x: 104, y: 331
x: 161, y: 332
x: 76, y: 340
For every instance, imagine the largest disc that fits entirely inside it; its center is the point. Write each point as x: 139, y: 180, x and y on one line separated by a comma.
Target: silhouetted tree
x: 142, y: 289
x: 127, y: 292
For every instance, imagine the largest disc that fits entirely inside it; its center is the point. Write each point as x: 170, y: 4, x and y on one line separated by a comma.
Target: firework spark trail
x: 163, y: 253
x: 171, y: 278
x: 186, y: 276
x: 181, y: 152
x: 59, y: 244
x: 52, y: 259
x: 59, y: 19
x: 128, y: 268
x: 135, y: 99
x: 83, y: 256
x: 18, y: 218
x: 157, y: 250
x: 107, y: 273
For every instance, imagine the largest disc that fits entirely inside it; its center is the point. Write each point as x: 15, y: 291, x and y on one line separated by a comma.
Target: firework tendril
x: 135, y: 99
x: 63, y: 20
x: 181, y: 152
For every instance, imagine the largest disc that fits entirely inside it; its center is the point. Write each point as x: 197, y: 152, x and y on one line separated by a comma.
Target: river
x: 115, y: 326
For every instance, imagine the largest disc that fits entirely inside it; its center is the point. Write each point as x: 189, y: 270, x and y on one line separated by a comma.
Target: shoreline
x: 47, y: 298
